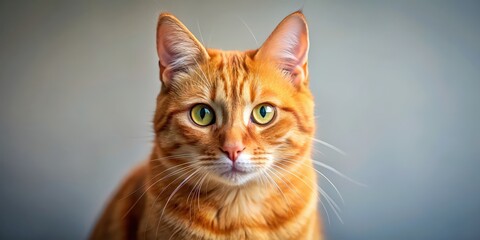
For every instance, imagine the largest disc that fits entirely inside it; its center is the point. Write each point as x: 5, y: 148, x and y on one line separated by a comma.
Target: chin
x: 235, y: 178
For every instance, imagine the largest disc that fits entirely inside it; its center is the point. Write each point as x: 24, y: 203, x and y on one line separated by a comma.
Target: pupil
x: 203, y: 112
x: 263, y: 111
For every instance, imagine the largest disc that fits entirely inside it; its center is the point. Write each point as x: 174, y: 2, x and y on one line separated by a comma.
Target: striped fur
x: 179, y: 192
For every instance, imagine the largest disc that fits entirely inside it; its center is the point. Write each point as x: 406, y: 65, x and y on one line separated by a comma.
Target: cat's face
x: 234, y: 116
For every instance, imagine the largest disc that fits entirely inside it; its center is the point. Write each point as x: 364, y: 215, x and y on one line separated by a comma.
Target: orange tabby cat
x: 231, y: 155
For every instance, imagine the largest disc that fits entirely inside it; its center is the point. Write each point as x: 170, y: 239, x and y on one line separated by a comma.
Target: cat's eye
x: 202, y: 115
x: 263, y: 113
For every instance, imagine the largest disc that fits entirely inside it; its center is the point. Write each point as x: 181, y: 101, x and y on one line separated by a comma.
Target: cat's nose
x: 233, y: 150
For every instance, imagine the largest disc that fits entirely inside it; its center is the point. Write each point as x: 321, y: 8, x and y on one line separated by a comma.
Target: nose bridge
x: 233, y: 131
x: 235, y: 114
x: 234, y: 126
x: 232, y: 142
x: 232, y: 135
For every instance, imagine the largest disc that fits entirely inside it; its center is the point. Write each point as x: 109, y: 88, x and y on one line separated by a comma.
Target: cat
x: 231, y: 155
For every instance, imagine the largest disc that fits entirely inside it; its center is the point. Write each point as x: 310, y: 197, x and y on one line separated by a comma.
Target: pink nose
x: 233, y: 150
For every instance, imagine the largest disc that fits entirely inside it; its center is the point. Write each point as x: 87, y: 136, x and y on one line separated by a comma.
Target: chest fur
x: 232, y: 215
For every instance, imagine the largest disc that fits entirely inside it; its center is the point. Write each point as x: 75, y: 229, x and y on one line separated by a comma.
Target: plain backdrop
x: 396, y: 85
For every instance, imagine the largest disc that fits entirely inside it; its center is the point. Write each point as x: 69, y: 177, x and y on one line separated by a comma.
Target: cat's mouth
x: 234, y: 171
x: 239, y: 171
x: 236, y: 175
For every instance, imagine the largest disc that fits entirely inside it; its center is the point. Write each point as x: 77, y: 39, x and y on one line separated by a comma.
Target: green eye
x: 263, y: 113
x: 202, y: 115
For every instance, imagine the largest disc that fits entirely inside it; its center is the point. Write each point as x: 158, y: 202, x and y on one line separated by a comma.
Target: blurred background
x: 396, y: 85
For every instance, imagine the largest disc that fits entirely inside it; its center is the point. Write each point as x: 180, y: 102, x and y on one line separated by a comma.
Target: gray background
x: 396, y: 84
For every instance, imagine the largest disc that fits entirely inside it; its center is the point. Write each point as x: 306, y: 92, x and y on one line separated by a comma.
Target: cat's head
x: 234, y: 117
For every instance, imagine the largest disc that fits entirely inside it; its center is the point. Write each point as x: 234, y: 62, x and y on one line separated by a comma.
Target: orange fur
x: 176, y: 194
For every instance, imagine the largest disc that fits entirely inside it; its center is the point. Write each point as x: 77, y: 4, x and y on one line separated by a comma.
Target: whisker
x: 188, y: 197
x: 326, y: 195
x: 321, y: 191
x: 250, y: 30
x: 176, y: 171
x: 329, y: 146
x: 168, y: 167
x: 326, y: 212
x: 321, y: 164
x: 176, y: 231
x: 185, y: 172
x: 323, y: 175
x: 262, y: 175
x: 288, y: 185
x: 200, y: 31
x: 201, y: 70
x: 141, y: 187
x: 146, y: 190
x: 176, y: 190
x: 318, y: 151
x: 174, y: 156
x: 200, y: 191
x: 279, y: 189
x: 172, y: 194
x: 329, y: 200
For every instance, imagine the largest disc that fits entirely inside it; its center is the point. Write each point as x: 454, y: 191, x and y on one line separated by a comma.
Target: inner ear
x: 287, y: 47
x: 177, y: 48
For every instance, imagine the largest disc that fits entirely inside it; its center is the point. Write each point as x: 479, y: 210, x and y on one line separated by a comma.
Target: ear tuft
x: 287, y: 46
x: 177, y: 48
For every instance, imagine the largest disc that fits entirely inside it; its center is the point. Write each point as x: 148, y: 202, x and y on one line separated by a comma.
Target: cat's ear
x: 287, y: 47
x: 177, y: 48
